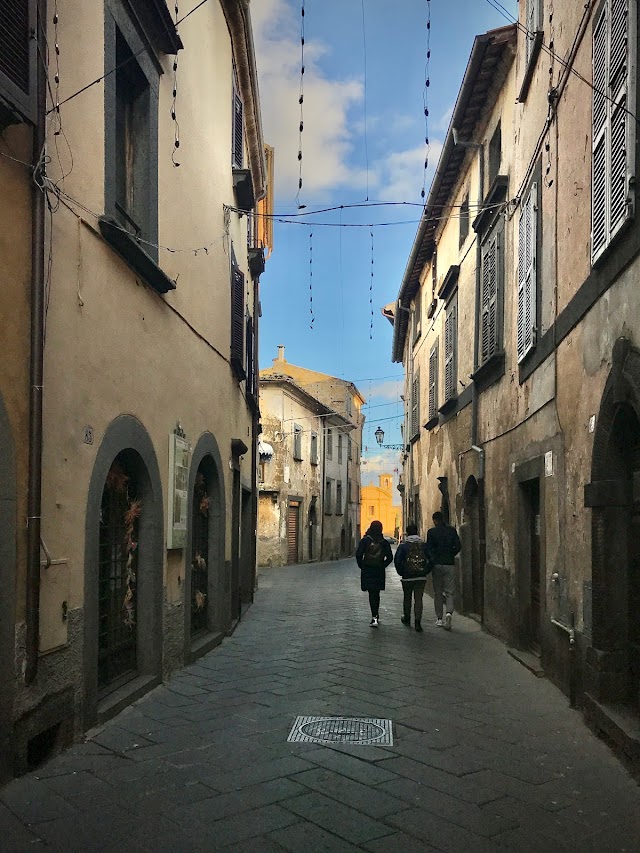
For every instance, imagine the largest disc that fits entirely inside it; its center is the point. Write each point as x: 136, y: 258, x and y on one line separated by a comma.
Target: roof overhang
x: 491, y: 57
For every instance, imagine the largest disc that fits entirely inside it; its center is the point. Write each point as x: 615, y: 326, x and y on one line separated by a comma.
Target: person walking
x: 373, y: 555
x: 443, y: 544
x: 413, y: 566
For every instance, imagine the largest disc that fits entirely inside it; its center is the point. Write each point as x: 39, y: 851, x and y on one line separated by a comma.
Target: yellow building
x: 376, y: 503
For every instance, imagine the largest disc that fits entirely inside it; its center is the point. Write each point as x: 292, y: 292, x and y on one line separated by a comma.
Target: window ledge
x: 490, y: 371
x: 134, y: 255
x: 449, y: 404
x: 497, y: 194
x: 531, y: 66
x: 430, y: 424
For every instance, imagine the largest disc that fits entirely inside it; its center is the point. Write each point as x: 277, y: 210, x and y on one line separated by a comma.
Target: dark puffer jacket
x: 442, y: 545
x: 373, y: 577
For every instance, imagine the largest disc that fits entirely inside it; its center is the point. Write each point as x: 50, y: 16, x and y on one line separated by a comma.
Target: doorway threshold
x: 619, y: 724
x: 528, y: 660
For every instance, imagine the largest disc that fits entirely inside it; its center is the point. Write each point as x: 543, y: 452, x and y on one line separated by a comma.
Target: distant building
x: 376, y: 502
x: 297, y: 403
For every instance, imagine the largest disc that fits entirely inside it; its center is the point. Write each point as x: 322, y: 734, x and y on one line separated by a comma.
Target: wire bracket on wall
x: 311, y: 280
x: 301, y: 103
x: 174, y: 114
x: 427, y: 84
x: 371, y: 291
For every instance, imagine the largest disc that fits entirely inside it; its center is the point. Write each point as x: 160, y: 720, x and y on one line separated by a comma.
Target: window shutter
x: 415, y: 405
x: 237, y: 321
x: 17, y: 58
x: 450, y: 336
x: 251, y: 373
x: 238, y: 148
x: 532, y: 23
x: 433, y: 381
x: 489, y: 318
x: 527, y: 281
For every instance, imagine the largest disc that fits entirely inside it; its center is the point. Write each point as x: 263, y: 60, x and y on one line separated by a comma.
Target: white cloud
x: 443, y: 122
x: 400, y: 174
x: 327, y: 138
x: 375, y: 464
x: 387, y: 390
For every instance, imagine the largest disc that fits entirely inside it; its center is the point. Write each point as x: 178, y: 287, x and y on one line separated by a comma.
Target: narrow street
x: 485, y: 757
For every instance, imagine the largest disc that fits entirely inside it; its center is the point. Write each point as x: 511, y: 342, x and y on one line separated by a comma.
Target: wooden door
x: 293, y: 531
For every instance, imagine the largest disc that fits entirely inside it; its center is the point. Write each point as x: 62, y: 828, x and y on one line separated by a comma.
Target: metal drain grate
x: 355, y: 730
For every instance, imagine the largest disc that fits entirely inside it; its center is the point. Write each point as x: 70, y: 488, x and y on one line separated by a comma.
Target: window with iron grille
x: 433, y: 381
x: 297, y: 442
x: 613, y: 127
x: 329, y: 444
x: 415, y: 405
x: 489, y: 312
x: 237, y: 141
x: 18, y: 61
x: 464, y: 221
x: 237, y: 320
x: 527, y: 273
x: 338, y: 498
x: 328, y: 498
x: 314, y: 448
x: 451, y: 350
x: 339, y: 447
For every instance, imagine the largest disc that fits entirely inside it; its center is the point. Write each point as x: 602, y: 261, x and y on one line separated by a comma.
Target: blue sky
x: 363, y: 137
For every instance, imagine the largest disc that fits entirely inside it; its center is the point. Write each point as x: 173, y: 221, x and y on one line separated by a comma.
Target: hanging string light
x: 311, y: 280
x: 371, y: 290
x: 301, y: 103
x: 174, y: 115
x: 427, y: 84
x: 56, y: 76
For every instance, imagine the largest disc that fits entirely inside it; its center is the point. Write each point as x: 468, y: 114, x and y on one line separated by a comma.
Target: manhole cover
x: 354, y: 730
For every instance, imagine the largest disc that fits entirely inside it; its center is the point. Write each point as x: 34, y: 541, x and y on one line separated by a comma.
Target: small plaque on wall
x: 179, y: 459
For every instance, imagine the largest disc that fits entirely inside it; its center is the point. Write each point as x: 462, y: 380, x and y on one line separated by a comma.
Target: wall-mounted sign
x: 179, y: 458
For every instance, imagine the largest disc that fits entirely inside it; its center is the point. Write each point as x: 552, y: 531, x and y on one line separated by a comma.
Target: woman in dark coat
x: 373, y: 556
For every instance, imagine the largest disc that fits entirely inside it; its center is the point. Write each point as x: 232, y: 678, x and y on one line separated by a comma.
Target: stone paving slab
x: 486, y: 758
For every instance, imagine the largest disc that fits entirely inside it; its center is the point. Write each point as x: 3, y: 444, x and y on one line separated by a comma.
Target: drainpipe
x: 323, y: 485
x: 36, y: 361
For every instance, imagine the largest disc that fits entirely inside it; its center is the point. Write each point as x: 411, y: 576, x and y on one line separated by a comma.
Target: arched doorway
x: 343, y: 542
x: 474, y: 567
x: 614, y: 496
x: 200, y: 505
x: 313, y: 524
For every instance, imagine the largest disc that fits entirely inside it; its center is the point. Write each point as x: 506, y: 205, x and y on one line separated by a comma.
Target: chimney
x: 281, y: 353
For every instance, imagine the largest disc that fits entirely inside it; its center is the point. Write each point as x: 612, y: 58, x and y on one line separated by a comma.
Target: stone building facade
x: 518, y: 324
x: 376, y: 503
x: 135, y: 436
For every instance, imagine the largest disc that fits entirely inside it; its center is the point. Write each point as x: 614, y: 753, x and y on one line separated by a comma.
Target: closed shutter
x: 433, y: 381
x: 237, y: 321
x: 613, y: 133
x: 489, y: 311
x: 532, y: 24
x: 17, y: 57
x: 293, y: 530
x: 251, y: 373
x: 450, y: 347
x: 527, y: 274
x: 237, y: 145
x: 415, y: 405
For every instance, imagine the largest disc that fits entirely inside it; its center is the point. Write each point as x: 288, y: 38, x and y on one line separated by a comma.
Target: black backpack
x: 373, y: 557
x: 416, y: 562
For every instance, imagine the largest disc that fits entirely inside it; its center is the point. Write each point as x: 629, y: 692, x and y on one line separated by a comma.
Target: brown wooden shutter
x: 237, y: 322
x: 17, y: 59
x: 293, y: 528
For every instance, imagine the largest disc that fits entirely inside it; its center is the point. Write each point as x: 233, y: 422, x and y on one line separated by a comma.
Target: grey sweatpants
x: 444, y: 585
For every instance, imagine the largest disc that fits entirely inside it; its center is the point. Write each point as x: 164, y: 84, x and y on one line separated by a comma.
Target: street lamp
x: 379, y: 434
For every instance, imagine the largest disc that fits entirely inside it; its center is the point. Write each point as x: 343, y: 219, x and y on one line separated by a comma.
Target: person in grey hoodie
x: 413, y: 566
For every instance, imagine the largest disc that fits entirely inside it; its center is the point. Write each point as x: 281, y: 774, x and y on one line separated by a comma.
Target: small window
x: 451, y: 350
x: 372, y: 511
x: 349, y: 405
x: 297, y: 443
x: 434, y: 271
x: 464, y: 221
x: 433, y: 381
x: 237, y: 141
x: 328, y: 499
x: 329, y: 444
x: 314, y: 448
x: 417, y: 316
x: 349, y: 449
x: 338, y: 498
x: 340, y: 437
x: 495, y: 154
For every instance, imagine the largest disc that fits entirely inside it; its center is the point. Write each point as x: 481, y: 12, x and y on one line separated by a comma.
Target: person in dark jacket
x: 413, y: 566
x: 443, y: 544
x: 373, y: 555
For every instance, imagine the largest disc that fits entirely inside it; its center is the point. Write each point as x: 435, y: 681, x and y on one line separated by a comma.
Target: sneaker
x: 374, y: 622
x: 406, y: 620
x: 418, y: 627
x: 447, y: 621
x: 439, y: 623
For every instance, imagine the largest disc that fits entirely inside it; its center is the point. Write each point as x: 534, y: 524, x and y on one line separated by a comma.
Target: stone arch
x: 614, y: 496
x: 126, y: 435
x: 207, y: 459
x: 8, y: 489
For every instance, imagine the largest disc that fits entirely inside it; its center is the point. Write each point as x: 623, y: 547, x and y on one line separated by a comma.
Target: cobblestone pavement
x: 485, y: 757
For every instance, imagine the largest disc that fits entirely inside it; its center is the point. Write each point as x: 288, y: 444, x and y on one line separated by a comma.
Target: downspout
x: 36, y: 368
x: 323, y: 486
x: 254, y: 443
